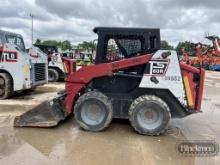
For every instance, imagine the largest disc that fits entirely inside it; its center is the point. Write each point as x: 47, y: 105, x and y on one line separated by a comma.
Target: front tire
x: 6, y: 89
x: 93, y: 111
x: 53, y: 75
x: 149, y: 115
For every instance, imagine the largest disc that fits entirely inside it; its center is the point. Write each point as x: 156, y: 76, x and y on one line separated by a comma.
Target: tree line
x: 86, y: 45
x: 64, y: 45
x: 186, y: 45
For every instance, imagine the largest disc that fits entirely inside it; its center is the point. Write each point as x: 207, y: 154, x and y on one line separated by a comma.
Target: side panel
x: 36, y: 55
x: 17, y: 64
x: 39, y: 66
x: 56, y: 61
x: 165, y: 73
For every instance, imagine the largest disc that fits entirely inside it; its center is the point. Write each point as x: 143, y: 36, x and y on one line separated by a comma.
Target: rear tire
x: 93, y: 111
x: 6, y: 89
x: 53, y: 75
x: 149, y: 115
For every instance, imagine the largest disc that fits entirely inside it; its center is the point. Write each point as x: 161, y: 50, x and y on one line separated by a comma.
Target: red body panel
x: 76, y: 82
x: 189, y: 68
x: 197, y: 92
x: 70, y: 65
x: 201, y: 87
x: 192, y: 86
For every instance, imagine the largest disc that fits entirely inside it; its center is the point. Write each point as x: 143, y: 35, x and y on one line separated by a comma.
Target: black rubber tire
x: 99, y: 99
x: 53, y: 75
x: 7, y: 86
x: 155, y: 104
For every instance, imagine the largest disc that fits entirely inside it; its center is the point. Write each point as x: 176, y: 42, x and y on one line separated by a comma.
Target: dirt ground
x: 67, y: 144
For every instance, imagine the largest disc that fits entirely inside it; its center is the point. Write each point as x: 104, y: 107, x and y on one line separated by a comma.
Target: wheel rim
x: 51, y: 76
x: 92, y: 112
x: 150, y: 118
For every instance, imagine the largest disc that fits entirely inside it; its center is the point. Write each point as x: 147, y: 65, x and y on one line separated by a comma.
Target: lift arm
x: 77, y: 81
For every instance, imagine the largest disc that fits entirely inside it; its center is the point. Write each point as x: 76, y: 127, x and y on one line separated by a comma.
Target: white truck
x: 20, y: 69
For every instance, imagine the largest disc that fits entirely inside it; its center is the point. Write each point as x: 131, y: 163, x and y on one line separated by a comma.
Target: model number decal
x: 8, y: 57
x: 172, y: 78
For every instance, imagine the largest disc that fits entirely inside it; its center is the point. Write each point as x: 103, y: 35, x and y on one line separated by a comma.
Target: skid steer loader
x: 20, y: 69
x: 131, y: 79
x: 56, y: 67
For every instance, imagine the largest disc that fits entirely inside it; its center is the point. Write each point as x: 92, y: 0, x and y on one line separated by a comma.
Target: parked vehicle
x: 20, y: 69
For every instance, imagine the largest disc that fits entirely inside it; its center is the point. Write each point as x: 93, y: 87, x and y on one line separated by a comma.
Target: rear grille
x: 40, y: 72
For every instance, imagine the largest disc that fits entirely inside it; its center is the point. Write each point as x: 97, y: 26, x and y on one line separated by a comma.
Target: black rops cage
x: 118, y: 43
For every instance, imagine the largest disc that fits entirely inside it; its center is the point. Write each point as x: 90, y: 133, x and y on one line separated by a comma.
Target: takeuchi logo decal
x: 8, y: 56
x: 157, y: 67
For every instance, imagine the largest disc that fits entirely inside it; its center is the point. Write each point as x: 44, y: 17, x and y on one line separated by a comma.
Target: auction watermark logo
x: 197, y: 148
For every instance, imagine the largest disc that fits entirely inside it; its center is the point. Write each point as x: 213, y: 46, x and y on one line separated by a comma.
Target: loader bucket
x: 47, y: 114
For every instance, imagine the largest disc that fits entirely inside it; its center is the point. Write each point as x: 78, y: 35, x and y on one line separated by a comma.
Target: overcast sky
x: 74, y: 20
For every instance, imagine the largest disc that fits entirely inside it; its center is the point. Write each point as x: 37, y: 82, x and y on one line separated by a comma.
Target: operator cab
x: 12, y: 38
x: 118, y: 43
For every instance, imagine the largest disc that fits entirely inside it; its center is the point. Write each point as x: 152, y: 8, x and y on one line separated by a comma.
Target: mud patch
x: 174, y: 131
x: 15, y: 151
x: 46, y: 89
x: 14, y: 109
x: 23, y: 95
x: 6, y: 121
x: 9, y: 142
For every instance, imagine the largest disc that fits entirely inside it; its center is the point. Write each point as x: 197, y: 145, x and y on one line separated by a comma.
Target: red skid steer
x: 131, y: 79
